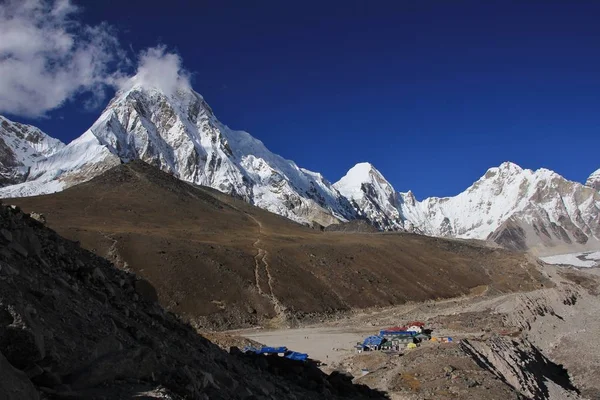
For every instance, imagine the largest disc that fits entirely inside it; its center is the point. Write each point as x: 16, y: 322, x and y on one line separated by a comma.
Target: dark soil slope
x: 72, y: 326
x: 224, y: 263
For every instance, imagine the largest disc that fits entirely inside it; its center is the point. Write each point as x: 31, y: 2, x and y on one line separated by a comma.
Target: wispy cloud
x: 47, y: 56
x: 160, y: 69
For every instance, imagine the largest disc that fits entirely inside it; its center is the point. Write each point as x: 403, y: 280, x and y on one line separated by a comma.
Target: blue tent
x: 292, y: 355
x: 373, y: 341
x: 271, y: 350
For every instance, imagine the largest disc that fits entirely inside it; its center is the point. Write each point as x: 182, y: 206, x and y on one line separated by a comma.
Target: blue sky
x: 432, y: 93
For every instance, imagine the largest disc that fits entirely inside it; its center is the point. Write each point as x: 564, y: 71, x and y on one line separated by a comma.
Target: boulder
x: 28, y: 240
x: 146, y: 291
x: 23, y: 345
x: 14, y: 384
x: 41, y: 218
x: 135, y: 363
x: 6, y: 235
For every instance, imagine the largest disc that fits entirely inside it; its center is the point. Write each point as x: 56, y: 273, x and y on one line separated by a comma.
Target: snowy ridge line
x: 179, y: 133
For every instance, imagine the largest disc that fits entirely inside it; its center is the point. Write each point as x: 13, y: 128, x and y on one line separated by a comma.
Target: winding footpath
x: 261, y: 258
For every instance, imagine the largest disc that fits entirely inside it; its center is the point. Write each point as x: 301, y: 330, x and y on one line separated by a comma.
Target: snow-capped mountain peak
x: 546, y: 208
x: 20, y: 147
x: 178, y: 132
x: 594, y: 180
x: 361, y: 173
x: 372, y: 195
x: 516, y: 207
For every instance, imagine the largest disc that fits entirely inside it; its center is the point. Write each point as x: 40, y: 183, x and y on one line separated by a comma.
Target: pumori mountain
x: 372, y: 196
x: 517, y: 208
x: 21, y: 146
x: 594, y: 180
x: 179, y: 133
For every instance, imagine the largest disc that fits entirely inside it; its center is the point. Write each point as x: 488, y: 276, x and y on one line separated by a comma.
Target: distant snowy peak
x: 20, y: 147
x: 594, y: 180
x: 372, y: 196
x: 351, y: 185
x: 516, y: 207
x: 178, y: 133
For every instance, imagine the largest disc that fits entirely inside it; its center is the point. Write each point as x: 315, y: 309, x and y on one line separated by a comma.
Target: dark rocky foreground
x: 73, y: 326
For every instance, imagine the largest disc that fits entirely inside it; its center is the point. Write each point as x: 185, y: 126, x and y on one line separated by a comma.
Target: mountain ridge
x: 179, y: 133
x: 517, y: 208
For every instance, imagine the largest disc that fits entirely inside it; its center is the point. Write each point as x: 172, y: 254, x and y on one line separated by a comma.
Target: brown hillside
x: 224, y: 263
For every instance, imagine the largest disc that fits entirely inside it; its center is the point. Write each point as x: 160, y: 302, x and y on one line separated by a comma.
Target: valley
x: 550, y: 331
x: 413, y: 217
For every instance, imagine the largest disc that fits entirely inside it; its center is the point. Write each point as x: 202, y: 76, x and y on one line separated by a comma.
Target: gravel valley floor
x: 503, y: 344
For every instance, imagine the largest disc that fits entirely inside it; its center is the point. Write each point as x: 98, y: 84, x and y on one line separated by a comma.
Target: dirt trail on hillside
x: 261, y: 258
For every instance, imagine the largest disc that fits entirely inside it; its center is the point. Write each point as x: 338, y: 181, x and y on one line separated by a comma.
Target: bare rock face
x: 521, y: 365
x: 74, y: 326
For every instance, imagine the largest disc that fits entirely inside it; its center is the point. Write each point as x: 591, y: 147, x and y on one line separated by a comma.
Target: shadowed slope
x: 74, y: 327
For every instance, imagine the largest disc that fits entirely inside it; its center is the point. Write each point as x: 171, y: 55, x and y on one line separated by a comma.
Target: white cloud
x: 159, y: 69
x: 47, y: 57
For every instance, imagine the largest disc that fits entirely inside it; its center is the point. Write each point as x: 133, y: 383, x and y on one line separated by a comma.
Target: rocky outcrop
x: 561, y: 322
x: 521, y: 365
x: 15, y: 384
x: 73, y: 326
x: 304, y: 374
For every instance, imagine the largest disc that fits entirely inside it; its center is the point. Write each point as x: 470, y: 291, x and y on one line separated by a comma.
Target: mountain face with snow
x: 21, y: 146
x: 515, y: 207
x: 179, y: 133
x: 372, y: 196
x: 594, y: 180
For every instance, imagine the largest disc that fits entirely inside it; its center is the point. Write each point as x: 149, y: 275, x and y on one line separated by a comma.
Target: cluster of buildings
x: 397, y: 338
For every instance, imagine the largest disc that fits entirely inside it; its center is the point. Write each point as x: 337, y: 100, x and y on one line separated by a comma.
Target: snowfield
x: 585, y: 259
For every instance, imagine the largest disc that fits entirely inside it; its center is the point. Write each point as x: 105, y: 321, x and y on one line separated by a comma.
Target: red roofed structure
x: 395, y: 329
